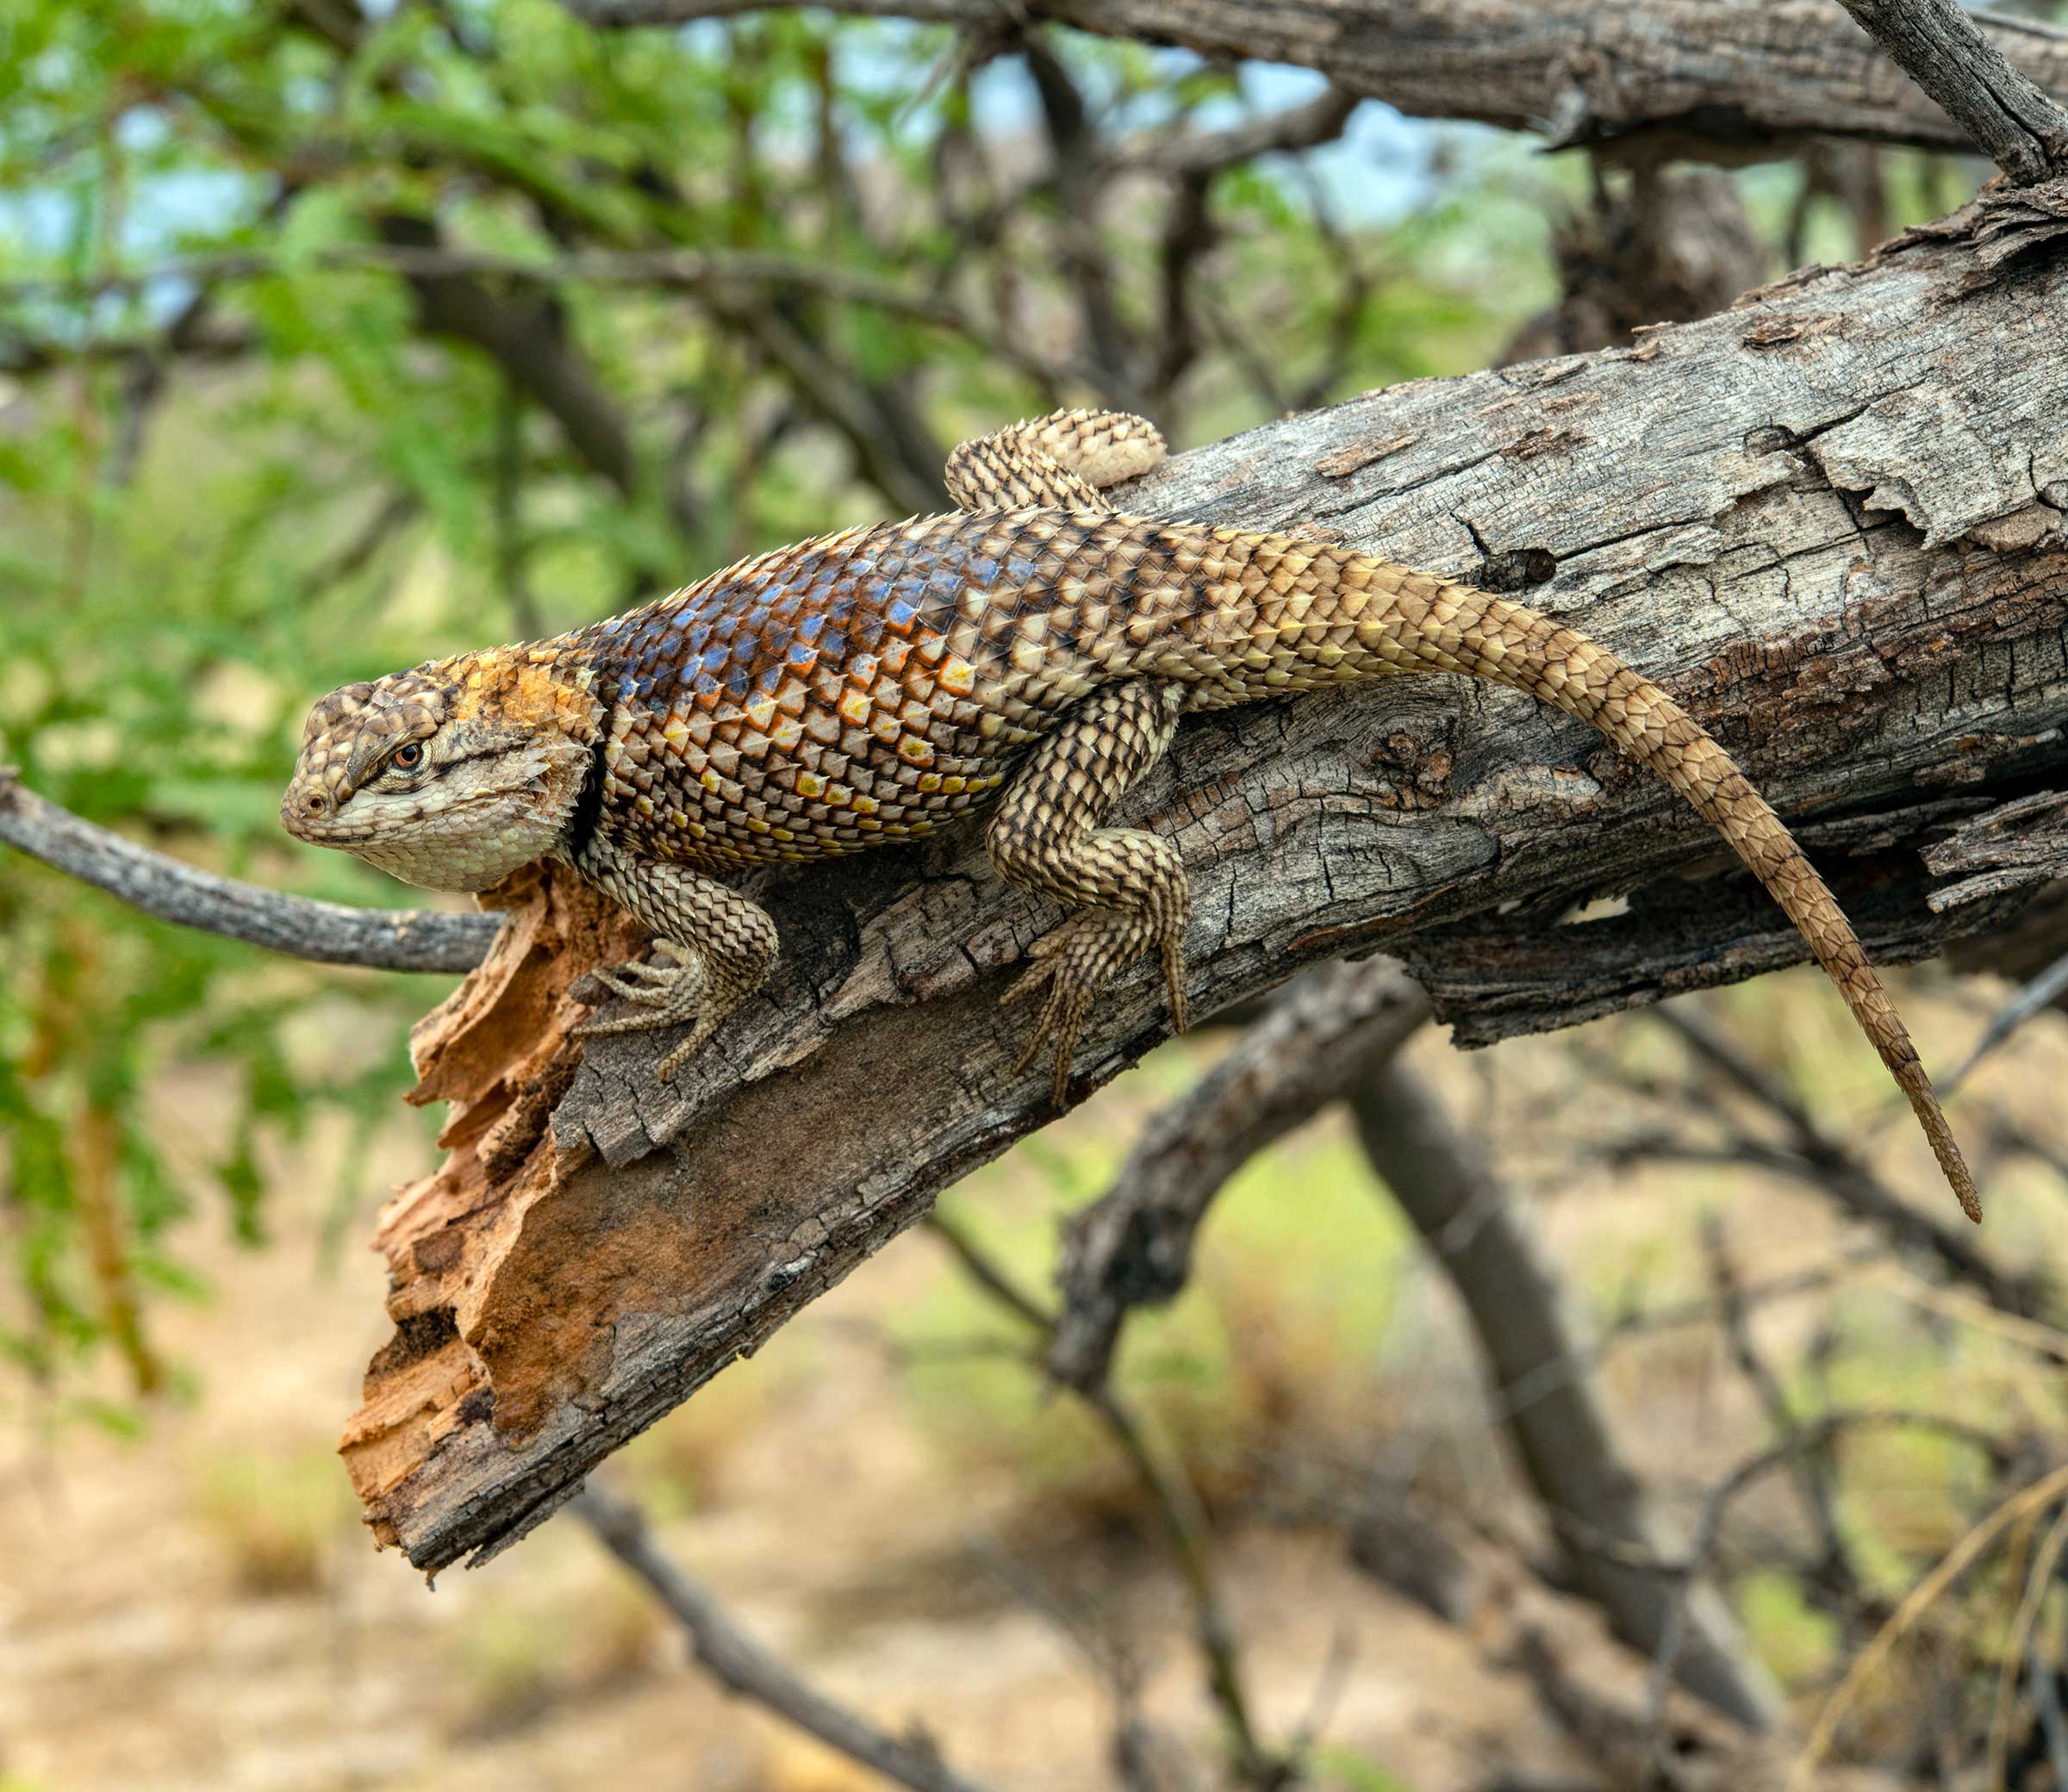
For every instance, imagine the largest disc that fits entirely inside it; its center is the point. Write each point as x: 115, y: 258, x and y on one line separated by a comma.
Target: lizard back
x: 866, y: 687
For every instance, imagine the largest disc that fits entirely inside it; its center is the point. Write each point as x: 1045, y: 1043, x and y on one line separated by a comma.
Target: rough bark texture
x: 1721, y: 78
x: 1830, y: 519
x: 1946, y: 53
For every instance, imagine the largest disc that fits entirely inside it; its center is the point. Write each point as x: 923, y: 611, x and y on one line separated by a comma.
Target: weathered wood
x: 1717, y: 77
x: 1946, y: 53
x: 329, y: 932
x: 1830, y: 519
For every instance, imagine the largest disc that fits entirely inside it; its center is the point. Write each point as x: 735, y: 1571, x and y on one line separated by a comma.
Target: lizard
x: 1029, y: 653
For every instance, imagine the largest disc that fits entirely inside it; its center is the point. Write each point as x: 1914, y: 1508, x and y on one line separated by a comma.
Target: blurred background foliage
x: 334, y: 337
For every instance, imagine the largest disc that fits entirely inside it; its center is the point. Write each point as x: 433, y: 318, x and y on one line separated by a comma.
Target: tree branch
x: 389, y: 940
x: 1837, y: 1171
x: 1720, y: 77
x: 742, y: 1665
x: 1946, y: 54
x: 1179, y: 1517
x: 1132, y: 1246
x: 1830, y: 518
x: 1597, y: 1508
x: 688, y: 270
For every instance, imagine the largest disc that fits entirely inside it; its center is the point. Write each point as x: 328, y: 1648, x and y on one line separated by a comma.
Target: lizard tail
x: 1445, y: 627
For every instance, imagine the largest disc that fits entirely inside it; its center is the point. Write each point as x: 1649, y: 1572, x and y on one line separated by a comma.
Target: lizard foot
x: 665, y: 994
x: 1073, y: 965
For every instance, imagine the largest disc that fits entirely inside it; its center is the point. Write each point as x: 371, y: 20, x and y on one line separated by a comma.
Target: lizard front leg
x: 1127, y: 887
x: 715, y: 949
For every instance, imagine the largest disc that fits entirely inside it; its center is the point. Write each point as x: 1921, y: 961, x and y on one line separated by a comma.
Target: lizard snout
x: 305, y: 809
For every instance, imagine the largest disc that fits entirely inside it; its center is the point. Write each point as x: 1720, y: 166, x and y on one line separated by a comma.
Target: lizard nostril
x: 314, y: 803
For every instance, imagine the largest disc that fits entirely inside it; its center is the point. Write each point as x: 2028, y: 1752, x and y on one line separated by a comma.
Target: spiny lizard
x: 1031, y: 652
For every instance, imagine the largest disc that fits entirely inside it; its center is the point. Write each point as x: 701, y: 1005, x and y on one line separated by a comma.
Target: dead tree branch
x: 1132, y: 1248
x: 1945, y: 52
x: 1830, y: 518
x: 1597, y: 1507
x: 1185, y: 1533
x: 742, y: 1665
x: 1727, y: 78
x: 388, y: 940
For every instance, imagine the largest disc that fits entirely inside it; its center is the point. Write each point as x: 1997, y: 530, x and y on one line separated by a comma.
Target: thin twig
x: 685, y: 268
x: 1819, y: 1432
x: 2035, y: 1499
x: 2030, y: 998
x: 1133, y: 1246
x: 1186, y: 1529
x: 737, y: 1662
x: 329, y: 932
x: 2019, y: 1642
x: 1811, y: 1465
x: 1940, y: 47
x: 1820, y: 1159
x: 1306, y: 126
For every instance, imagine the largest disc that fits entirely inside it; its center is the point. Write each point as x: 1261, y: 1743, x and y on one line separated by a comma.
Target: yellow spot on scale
x: 760, y: 710
x: 865, y: 806
x: 756, y: 825
x: 930, y: 781
x: 914, y: 751
x: 708, y: 779
x: 676, y: 819
x: 952, y: 786
x: 854, y: 705
x: 808, y: 784
x: 958, y: 675
x: 644, y: 805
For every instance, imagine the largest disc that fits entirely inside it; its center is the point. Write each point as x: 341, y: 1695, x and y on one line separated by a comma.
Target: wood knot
x: 1412, y: 774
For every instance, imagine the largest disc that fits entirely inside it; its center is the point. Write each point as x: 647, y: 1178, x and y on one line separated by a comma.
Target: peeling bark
x: 1829, y: 519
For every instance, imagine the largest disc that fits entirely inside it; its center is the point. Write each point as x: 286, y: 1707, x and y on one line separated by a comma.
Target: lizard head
x: 451, y: 775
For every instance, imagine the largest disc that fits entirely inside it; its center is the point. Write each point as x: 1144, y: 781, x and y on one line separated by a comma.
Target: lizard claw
x: 662, y: 995
x: 1073, y: 965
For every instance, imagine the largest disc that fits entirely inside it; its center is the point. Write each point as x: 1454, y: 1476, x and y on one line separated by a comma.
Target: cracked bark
x: 1722, y: 79
x: 1830, y: 519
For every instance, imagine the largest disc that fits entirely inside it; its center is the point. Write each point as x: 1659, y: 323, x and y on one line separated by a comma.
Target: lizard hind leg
x: 1060, y: 461
x: 1126, y: 888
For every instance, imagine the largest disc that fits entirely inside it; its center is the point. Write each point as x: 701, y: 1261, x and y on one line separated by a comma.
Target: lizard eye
x: 407, y: 756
